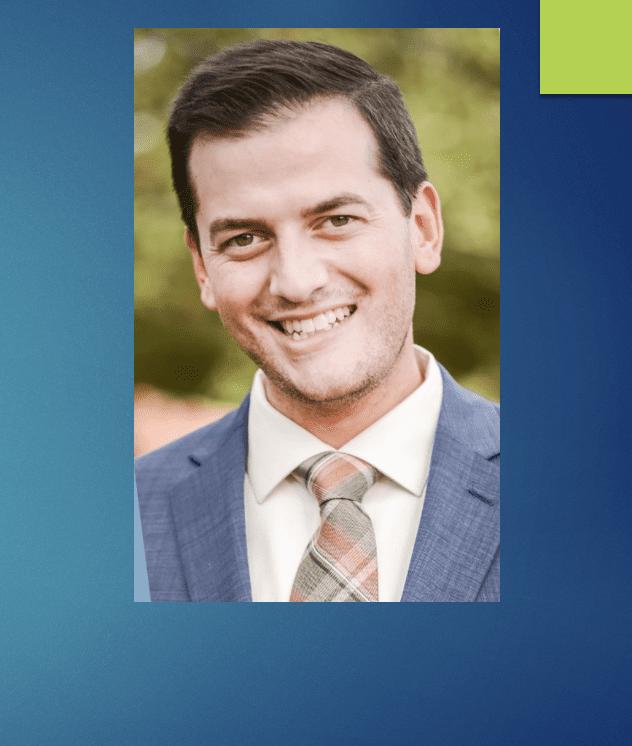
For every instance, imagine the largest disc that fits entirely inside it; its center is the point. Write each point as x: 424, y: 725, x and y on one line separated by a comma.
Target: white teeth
x: 320, y: 322
x: 326, y: 321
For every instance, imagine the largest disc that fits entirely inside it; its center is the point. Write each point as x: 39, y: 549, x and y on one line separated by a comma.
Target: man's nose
x: 298, y: 270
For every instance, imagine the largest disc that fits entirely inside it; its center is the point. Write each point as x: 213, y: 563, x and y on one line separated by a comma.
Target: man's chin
x: 322, y: 394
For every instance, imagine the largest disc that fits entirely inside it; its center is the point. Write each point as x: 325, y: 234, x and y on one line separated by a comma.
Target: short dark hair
x: 237, y: 90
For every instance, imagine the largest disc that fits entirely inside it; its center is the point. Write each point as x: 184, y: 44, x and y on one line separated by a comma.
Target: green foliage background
x: 450, y: 81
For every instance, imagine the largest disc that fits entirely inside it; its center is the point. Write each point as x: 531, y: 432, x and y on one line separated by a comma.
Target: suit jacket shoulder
x: 175, y: 461
x: 190, y: 495
x: 457, y: 551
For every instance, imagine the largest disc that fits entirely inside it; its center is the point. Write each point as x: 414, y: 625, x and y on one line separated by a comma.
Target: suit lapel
x: 458, y: 533
x: 208, y: 514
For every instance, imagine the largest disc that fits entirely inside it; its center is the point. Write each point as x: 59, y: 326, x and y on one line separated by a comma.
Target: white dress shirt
x: 281, y: 516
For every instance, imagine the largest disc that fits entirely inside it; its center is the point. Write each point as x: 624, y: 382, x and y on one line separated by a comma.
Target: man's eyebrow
x: 333, y: 204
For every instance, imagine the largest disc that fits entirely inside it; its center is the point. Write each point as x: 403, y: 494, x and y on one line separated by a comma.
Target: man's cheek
x: 232, y: 318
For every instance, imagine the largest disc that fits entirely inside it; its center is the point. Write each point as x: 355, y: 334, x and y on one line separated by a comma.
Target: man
x: 357, y: 469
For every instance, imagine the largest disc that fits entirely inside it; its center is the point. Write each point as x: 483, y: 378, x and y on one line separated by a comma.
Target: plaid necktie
x: 340, y: 562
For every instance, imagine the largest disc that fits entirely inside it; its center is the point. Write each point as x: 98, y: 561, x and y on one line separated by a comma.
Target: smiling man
x: 357, y: 469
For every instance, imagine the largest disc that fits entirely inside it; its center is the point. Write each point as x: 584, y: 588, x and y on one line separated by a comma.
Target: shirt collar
x: 399, y: 444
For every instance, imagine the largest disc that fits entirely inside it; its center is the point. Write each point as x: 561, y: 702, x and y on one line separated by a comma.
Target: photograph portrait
x: 316, y: 269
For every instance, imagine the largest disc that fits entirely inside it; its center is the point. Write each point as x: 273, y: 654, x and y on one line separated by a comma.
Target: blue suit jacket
x: 191, y: 496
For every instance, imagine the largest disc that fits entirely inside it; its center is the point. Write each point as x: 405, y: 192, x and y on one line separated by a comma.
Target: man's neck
x: 338, y: 422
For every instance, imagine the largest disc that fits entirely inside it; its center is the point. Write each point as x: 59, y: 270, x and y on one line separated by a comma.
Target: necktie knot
x: 336, y: 476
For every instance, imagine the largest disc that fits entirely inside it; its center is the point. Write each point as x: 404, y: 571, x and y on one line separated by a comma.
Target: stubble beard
x: 367, y: 379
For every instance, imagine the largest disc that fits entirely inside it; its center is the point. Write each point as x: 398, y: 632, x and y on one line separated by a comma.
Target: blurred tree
x: 450, y: 81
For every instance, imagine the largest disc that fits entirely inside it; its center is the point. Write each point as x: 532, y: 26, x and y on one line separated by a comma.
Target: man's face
x: 299, y: 231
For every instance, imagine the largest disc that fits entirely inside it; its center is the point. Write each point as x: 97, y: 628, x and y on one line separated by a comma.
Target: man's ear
x: 201, y: 275
x: 426, y: 229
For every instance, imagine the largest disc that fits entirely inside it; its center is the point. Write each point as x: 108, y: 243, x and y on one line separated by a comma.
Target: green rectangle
x: 585, y: 47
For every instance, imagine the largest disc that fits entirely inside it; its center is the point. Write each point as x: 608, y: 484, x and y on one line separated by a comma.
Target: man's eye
x: 241, y: 241
x: 244, y: 239
x: 338, y: 221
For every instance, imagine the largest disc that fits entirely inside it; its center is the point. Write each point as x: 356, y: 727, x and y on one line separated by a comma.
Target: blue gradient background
x: 81, y: 662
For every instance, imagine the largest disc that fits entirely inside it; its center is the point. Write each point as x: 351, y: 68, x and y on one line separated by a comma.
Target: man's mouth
x: 304, y: 328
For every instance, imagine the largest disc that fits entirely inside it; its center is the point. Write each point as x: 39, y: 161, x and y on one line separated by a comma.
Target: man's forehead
x: 327, y: 117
